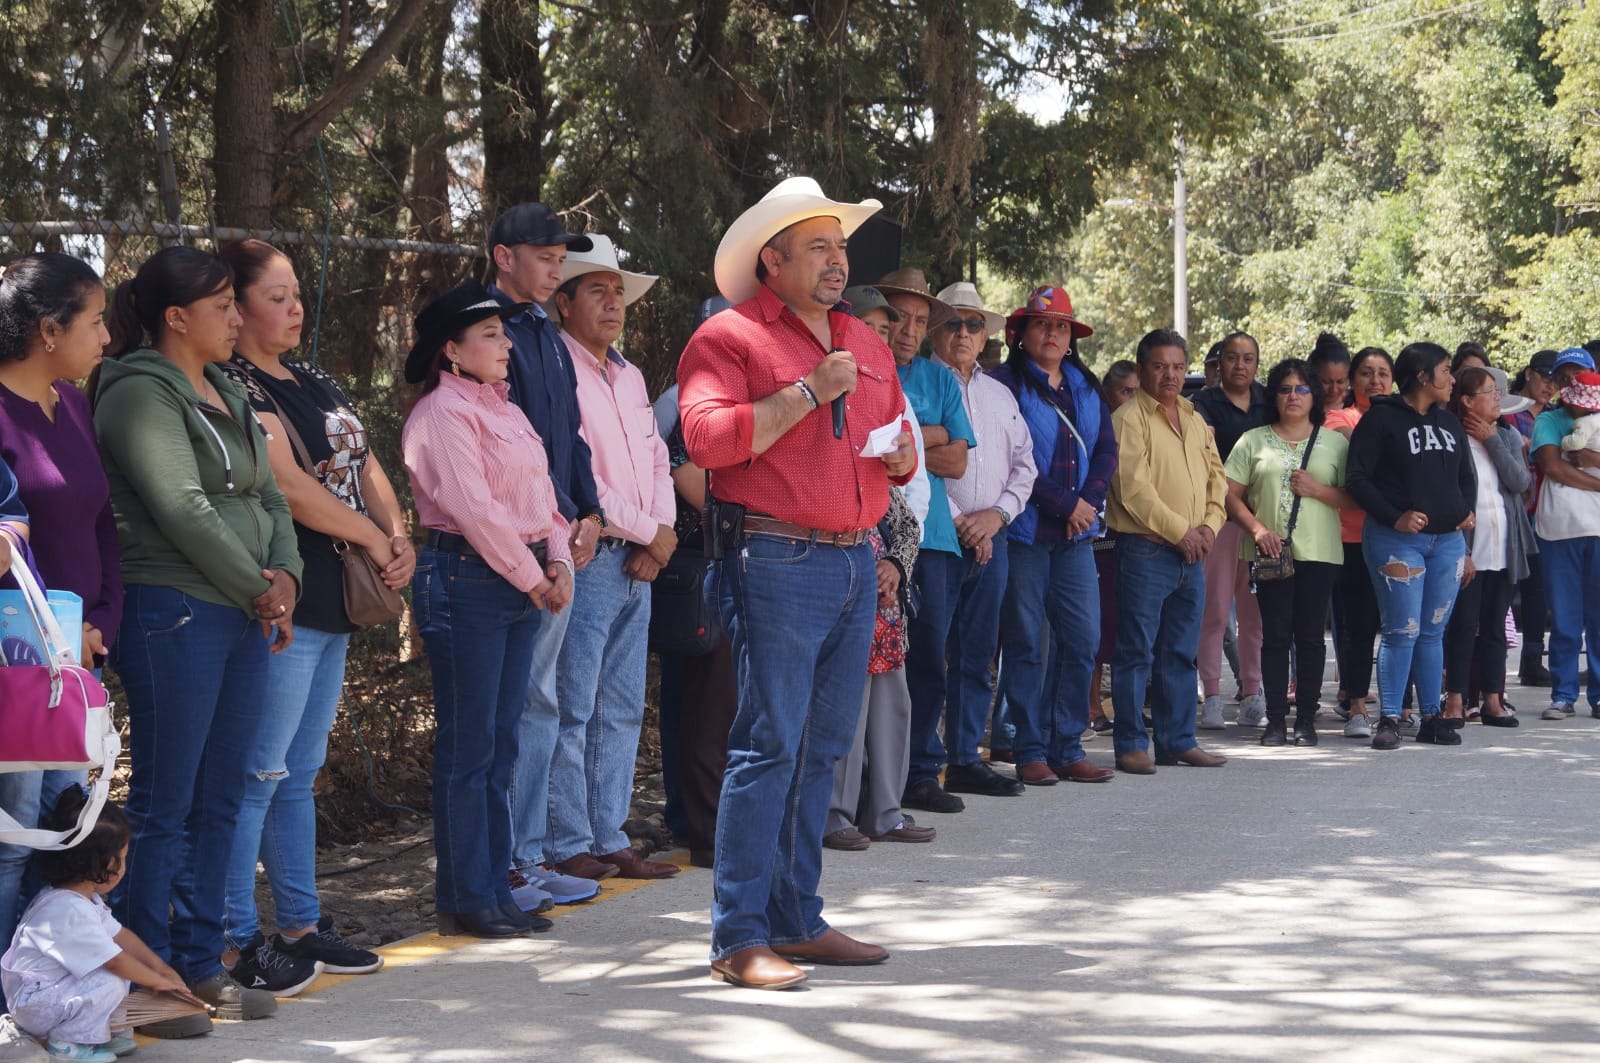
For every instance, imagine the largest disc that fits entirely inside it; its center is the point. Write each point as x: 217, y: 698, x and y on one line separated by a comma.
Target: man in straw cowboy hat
x: 600, y: 676
x: 796, y: 579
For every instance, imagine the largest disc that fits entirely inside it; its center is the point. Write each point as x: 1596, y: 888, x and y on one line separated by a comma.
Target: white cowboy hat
x: 1509, y: 403
x: 962, y: 296
x: 792, y: 201
x: 602, y: 258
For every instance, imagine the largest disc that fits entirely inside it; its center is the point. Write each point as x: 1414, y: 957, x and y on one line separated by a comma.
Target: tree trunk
x: 954, y: 91
x: 513, y: 93
x: 245, y: 150
x: 429, y: 275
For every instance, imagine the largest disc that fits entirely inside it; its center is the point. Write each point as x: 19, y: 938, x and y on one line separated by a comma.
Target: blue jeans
x: 938, y: 576
x: 1571, y: 570
x: 278, y: 815
x: 480, y: 632
x: 26, y: 796
x: 1160, y: 599
x: 536, y: 743
x: 799, y: 618
x: 600, y: 685
x: 1054, y: 587
x: 195, y: 674
x: 1414, y: 603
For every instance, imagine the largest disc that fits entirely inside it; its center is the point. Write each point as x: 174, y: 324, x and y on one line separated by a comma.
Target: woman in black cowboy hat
x: 496, y: 560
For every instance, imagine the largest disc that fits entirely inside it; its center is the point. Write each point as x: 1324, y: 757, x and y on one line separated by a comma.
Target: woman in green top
x: 212, y: 574
x: 1265, y: 479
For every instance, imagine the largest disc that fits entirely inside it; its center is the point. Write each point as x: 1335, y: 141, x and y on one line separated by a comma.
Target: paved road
x: 1310, y: 904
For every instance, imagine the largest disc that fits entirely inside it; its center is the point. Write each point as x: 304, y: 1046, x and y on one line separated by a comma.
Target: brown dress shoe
x: 907, y: 831
x: 632, y: 865
x: 846, y: 840
x: 585, y: 866
x: 1196, y: 758
x: 1139, y: 762
x: 834, y: 949
x: 1083, y: 771
x: 757, y: 968
x: 1036, y: 774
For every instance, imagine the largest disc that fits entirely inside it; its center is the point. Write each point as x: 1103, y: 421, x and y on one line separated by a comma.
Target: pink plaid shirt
x: 478, y: 470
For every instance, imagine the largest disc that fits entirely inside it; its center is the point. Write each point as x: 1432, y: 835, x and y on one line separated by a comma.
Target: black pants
x: 710, y: 702
x: 1533, y: 614
x: 1359, y: 624
x: 1295, y: 610
x: 1479, y: 622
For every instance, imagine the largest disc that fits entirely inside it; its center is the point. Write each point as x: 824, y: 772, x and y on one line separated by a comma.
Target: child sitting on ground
x: 70, y: 963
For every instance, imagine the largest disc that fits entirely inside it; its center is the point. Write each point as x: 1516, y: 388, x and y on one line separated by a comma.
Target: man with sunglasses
x: 992, y: 491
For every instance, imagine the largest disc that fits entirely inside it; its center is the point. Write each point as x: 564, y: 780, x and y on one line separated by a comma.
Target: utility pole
x: 1180, y: 246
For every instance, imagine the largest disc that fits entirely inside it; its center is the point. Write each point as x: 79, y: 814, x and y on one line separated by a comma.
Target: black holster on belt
x: 723, y: 524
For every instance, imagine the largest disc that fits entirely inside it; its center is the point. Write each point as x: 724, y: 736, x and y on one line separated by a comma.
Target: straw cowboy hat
x: 910, y: 281
x: 791, y: 202
x: 602, y: 258
x: 963, y: 296
x: 1045, y: 301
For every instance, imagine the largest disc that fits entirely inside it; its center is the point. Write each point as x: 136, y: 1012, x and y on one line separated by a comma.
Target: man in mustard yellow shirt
x: 1166, y: 508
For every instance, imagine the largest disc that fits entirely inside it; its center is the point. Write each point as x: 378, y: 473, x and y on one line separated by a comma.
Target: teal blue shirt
x: 935, y: 397
x: 1549, y: 428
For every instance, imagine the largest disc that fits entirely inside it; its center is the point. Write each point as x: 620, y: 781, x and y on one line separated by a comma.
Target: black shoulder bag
x: 1272, y: 569
x: 683, y: 619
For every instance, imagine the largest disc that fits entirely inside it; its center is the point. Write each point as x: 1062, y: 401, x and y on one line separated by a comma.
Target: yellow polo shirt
x: 1166, y: 483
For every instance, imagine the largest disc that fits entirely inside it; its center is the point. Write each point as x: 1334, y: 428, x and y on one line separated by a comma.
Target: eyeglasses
x: 1294, y: 389
x: 974, y: 325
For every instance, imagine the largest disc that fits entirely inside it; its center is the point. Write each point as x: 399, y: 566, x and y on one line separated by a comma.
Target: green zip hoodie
x: 196, y: 505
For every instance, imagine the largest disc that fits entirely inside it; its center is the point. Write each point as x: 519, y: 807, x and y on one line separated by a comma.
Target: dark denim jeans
x: 799, y: 618
x: 1053, y: 590
x: 479, y: 631
x: 1160, y: 599
x: 1571, y: 570
x: 194, y: 673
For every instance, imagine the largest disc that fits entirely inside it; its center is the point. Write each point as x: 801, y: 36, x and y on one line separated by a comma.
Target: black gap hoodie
x: 1401, y: 459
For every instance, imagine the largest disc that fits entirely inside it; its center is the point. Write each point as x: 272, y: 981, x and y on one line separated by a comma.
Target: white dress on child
x: 54, y: 973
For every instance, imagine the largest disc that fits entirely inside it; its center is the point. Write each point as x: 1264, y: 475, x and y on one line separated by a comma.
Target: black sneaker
x: 1438, y: 731
x: 1276, y: 733
x: 325, y: 946
x: 1387, y: 734
x: 232, y: 1001
x: 265, y: 968
x: 927, y: 796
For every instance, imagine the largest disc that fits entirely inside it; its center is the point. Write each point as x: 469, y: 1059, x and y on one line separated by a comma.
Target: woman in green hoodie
x: 212, y: 574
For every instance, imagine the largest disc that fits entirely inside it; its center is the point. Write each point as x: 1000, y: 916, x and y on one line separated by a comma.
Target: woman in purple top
x: 51, y: 334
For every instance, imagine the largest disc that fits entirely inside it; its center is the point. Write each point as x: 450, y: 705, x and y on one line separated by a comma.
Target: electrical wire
x: 1342, y: 17
x: 1386, y: 26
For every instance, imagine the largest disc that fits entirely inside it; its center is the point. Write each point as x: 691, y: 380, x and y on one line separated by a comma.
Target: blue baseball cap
x: 1574, y: 356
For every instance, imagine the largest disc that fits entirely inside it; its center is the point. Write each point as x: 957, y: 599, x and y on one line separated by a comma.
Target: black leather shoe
x: 484, y: 923
x: 530, y: 922
x: 1533, y: 673
x: 926, y: 796
x: 1436, y: 730
x: 1505, y: 719
x: 1305, y: 733
x: 979, y: 779
x: 1276, y: 733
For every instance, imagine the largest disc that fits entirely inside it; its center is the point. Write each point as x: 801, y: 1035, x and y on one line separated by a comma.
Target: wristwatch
x: 1005, y: 518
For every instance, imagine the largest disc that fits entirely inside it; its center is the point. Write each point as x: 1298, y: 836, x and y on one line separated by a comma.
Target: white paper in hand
x: 881, y: 441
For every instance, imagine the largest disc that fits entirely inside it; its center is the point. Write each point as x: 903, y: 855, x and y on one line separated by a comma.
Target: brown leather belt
x: 1158, y: 540
x: 758, y: 525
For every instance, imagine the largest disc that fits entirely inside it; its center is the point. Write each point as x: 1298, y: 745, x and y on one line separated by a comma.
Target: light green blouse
x: 1262, y: 462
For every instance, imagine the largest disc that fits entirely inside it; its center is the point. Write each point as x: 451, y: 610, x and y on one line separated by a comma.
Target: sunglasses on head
x: 974, y: 325
x: 1294, y: 389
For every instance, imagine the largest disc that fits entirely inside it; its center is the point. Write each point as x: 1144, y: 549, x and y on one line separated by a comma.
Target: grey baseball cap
x: 864, y: 298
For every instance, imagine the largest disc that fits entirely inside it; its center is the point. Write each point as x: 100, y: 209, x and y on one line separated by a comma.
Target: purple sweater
x: 60, y: 479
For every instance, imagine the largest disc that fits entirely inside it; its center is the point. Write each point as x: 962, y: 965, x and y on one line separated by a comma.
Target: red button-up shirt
x: 807, y: 477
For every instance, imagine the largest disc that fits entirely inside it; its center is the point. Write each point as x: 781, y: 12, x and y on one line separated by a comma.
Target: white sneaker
x: 1558, y: 710
x: 14, y: 1044
x: 563, y: 889
x: 1410, y: 725
x: 1211, y: 714
x: 1358, y: 726
x: 1253, y: 711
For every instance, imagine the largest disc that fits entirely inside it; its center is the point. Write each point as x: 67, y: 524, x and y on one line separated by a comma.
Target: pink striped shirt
x: 478, y: 470
x: 631, y: 466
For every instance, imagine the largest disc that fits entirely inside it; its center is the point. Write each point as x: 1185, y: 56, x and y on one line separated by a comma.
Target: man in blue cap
x: 528, y: 245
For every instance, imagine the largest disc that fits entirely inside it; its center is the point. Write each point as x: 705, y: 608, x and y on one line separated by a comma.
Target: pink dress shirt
x: 631, y: 468
x: 1000, y: 469
x: 478, y: 470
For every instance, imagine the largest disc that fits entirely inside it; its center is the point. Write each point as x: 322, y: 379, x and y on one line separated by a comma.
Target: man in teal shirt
x: 935, y: 397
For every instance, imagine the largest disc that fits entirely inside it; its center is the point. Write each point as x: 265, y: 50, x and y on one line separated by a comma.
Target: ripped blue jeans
x: 1416, y: 579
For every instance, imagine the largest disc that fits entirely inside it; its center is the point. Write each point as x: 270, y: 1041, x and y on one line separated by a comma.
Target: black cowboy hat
x: 465, y: 304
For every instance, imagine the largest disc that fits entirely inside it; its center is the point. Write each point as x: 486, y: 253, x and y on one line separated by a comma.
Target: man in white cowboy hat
x: 527, y: 244
x: 992, y: 492
x: 600, y: 676
x: 792, y: 503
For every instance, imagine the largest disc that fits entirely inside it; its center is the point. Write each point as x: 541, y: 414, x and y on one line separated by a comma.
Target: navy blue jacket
x: 545, y: 384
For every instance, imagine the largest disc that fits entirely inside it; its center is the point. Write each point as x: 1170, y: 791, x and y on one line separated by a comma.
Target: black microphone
x: 838, y: 406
